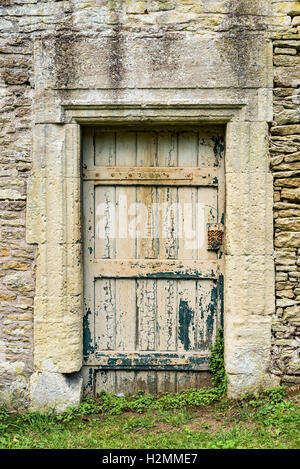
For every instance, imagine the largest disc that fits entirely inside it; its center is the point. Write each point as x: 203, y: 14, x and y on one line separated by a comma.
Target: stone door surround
x: 54, y: 224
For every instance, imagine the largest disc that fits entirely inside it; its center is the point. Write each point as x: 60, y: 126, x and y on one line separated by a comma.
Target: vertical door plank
x: 105, y: 306
x: 207, y: 299
x: 125, y: 198
x: 186, y: 315
x: 126, y: 148
x: 167, y: 199
x: 105, y: 148
x: 188, y: 149
x: 146, y: 149
x: 166, y: 381
x: 125, y: 314
x: 126, y: 382
x: 105, y: 222
x: 147, y: 381
x: 187, y: 380
x: 168, y: 221
x: 146, y: 197
x: 187, y: 197
x: 188, y: 239
x: 206, y: 156
x: 88, y: 150
x: 146, y: 312
x: 88, y: 258
x: 166, y: 315
x: 88, y: 376
x: 125, y: 222
x: 167, y: 149
x: 105, y: 381
x: 147, y: 222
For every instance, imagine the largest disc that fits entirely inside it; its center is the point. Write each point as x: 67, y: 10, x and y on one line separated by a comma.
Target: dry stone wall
x: 24, y: 23
x: 17, y: 259
x: 285, y: 163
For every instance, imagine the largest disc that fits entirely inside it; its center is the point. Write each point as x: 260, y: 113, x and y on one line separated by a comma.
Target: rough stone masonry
x: 240, y: 28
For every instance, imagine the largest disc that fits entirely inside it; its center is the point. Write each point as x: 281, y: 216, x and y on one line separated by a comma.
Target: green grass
x: 188, y: 420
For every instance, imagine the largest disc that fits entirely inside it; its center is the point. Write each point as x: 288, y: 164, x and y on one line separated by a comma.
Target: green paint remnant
x: 87, y: 337
x: 213, y: 308
x: 155, y: 361
x: 222, y: 219
x: 178, y: 274
x: 186, y: 315
x: 219, y: 149
x: 91, y: 250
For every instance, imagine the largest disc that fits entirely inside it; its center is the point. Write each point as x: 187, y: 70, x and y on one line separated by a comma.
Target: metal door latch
x: 215, y: 233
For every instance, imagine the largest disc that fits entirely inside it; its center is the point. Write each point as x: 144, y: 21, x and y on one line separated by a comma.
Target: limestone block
x: 240, y: 384
x: 247, y: 353
x: 288, y: 224
x: 136, y: 7
x: 60, y: 342
x: 287, y: 43
x: 36, y: 210
x: 296, y: 20
x: 51, y: 203
x: 50, y: 275
x: 72, y: 209
x: 16, y: 393
x: 121, y: 61
x: 11, y: 194
x: 286, y: 7
x: 56, y: 150
x: 292, y: 314
x: 285, y: 258
x: 12, y: 77
x: 287, y: 76
x: 294, y: 367
x: 249, y: 285
x: 248, y: 220
x: 287, y: 117
x: 286, y: 61
x: 20, y: 283
x: 286, y: 130
x: 54, y: 391
x: 287, y: 51
x: 247, y: 145
x: 291, y: 194
x: 292, y: 157
x: 265, y: 106
x: 255, y: 7
x: 291, y: 169
x: 48, y: 150
x: 59, y: 269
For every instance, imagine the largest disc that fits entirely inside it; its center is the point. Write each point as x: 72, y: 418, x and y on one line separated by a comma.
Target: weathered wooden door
x: 153, y: 209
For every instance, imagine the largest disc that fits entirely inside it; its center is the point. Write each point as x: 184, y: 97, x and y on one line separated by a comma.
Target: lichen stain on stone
x: 241, y: 34
x: 186, y: 315
x: 65, y: 59
x: 116, y: 45
x: 115, y: 60
x: 162, y: 52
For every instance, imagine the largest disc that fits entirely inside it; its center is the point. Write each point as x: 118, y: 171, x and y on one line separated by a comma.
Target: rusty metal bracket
x: 215, y: 233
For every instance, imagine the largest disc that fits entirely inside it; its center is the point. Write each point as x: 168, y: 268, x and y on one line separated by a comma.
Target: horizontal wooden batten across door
x: 153, y: 213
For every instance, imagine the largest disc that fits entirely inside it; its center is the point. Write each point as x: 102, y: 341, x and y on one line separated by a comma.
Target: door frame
x: 54, y: 224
